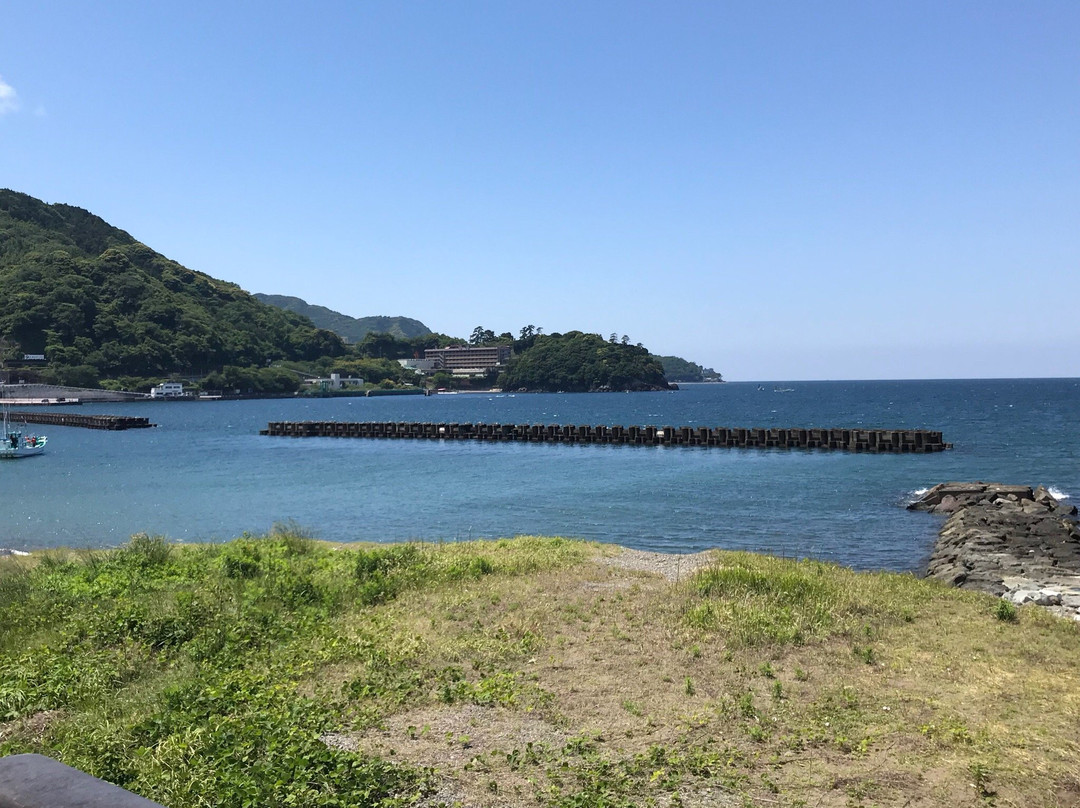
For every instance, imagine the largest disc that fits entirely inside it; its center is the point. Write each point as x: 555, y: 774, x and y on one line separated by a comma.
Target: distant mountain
x: 100, y: 305
x: 677, y: 369
x: 352, y: 329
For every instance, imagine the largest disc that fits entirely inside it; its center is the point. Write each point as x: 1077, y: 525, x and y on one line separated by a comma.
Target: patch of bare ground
x: 31, y: 728
x: 609, y: 679
x: 672, y: 566
x: 466, y: 744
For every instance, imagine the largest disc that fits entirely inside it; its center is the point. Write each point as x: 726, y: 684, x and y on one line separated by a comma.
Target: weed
x: 980, y: 777
x: 146, y: 550
x: 632, y: 708
x: 1006, y: 611
x: 756, y: 732
x: 15, y: 586
x: 746, y: 704
x: 295, y: 539
x: 950, y: 731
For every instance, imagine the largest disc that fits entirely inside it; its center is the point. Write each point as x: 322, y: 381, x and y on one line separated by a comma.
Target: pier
x: 110, y: 422
x: 917, y: 441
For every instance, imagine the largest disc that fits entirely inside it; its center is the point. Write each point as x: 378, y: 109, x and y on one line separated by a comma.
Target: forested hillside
x: 677, y: 369
x: 579, y: 362
x: 100, y: 305
x: 353, y: 329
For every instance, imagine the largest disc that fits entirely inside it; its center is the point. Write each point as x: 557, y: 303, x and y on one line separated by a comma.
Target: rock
x: 1044, y: 497
x: 1048, y: 597
x: 1009, y: 541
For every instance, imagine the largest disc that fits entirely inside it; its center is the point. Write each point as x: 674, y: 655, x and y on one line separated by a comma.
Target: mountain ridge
x: 101, y: 305
x: 351, y: 329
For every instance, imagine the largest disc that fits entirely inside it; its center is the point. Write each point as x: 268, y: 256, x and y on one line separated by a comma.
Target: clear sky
x: 782, y: 190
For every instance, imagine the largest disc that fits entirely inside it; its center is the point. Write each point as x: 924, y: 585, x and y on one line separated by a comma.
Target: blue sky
x: 783, y: 190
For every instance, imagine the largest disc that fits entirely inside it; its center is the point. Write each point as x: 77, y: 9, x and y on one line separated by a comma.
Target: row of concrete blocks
x: 111, y: 422
x: 857, y: 440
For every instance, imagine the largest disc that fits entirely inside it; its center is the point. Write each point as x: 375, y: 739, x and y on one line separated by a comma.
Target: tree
x: 8, y: 351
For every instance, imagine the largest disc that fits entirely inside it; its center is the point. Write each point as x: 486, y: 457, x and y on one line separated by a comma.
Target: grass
x: 278, y: 670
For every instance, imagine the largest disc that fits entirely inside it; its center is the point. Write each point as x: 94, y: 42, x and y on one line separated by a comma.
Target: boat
x: 15, y: 443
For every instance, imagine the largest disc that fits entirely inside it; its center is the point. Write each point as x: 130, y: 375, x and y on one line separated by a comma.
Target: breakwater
x: 1008, y: 540
x: 111, y: 422
x: 852, y: 440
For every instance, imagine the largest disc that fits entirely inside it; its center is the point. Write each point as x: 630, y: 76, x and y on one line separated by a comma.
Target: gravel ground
x: 673, y: 566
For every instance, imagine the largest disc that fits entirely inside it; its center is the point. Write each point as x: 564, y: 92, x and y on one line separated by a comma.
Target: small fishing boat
x: 15, y: 443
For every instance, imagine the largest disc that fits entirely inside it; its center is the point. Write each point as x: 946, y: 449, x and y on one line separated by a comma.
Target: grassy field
x: 280, y: 671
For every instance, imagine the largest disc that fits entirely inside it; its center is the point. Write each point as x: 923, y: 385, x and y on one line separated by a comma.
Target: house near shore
x: 336, y: 382
x: 167, y: 390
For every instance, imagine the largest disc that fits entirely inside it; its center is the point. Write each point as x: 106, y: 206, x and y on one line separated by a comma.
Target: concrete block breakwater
x: 112, y: 422
x: 852, y: 440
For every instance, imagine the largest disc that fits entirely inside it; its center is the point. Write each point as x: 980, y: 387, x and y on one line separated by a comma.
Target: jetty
x: 110, y: 422
x: 1018, y: 543
x: 915, y: 441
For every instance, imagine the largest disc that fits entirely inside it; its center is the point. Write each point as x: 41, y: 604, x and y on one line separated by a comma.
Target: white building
x: 421, y: 365
x: 337, y: 382
x: 167, y: 390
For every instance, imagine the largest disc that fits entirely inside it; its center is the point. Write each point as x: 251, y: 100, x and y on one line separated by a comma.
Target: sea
x: 204, y: 474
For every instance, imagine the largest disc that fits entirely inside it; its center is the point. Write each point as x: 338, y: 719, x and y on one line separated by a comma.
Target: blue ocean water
x: 205, y: 474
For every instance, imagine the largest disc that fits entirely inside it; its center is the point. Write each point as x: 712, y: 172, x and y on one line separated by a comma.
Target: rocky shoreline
x: 1009, y: 540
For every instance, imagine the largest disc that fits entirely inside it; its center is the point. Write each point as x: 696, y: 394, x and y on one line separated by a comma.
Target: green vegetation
x: 677, y: 369
x: 352, y: 329
x: 100, y: 305
x: 579, y: 362
x: 108, y: 311
x: 282, y: 671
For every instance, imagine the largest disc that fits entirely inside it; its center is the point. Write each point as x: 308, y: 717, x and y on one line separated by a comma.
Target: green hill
x: 578, y: 362
x: 100, y: 305
x: 352, y: 329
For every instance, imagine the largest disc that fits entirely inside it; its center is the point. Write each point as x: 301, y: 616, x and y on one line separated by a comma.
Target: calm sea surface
x: 206, y: 475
